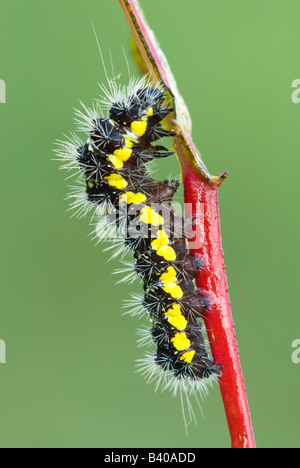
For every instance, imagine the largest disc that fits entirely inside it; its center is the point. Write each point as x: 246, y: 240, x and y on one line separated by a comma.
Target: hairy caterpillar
x: 112, y: 164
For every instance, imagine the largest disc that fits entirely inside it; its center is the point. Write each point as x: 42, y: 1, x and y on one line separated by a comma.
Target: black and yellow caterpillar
x: 113, y: 162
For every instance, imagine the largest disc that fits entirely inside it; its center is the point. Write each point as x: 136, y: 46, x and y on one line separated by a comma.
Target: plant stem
x: 218, y: 320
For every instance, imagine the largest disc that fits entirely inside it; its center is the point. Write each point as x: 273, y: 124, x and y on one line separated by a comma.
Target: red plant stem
x: 218, y: 320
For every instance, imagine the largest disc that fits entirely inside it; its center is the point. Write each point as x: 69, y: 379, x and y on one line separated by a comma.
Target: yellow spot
x: 161, y: 245
x: 133, y: 198
x: 128, y: 142
x: 123, y: 153
x: 162, y: 240
x: 117, y: 163
x: 175, y: 311
x: 116, y: 180
x: 178, y: 322
x: 150, y: 111
x: 139, y: 127
x: 175, y: 318
x: 169, y: 276
x: 148, y: 216
x: 169, y: 279
x: 90, y: 184
x: 174, y: 290
x: 167, y: 253
x: 180, y: 341
x: 188, y: 356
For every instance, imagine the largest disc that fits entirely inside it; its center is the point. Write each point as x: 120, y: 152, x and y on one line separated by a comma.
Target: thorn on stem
x: 220, y: 178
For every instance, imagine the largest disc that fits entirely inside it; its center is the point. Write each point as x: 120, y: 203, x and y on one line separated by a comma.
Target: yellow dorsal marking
x: 116, y: 180
x: 175, y: 318
x: 139, y: 127
x: 133, y: 198
x: 128, y: 142
x: 178, y: 322
x: 167, y: 253
x: 149, y: 216
x: 150, y: 111
x: 175, y: 311
x: 188, y: 356
x: 91, y: 185
x: 174, y: 290
x: 169, y: 276
x: 162, y: 240
x: 181, y: 341
x: 161, y: 245
x: 117, y: 163
x: 123, y: 153
x: 169, y: 279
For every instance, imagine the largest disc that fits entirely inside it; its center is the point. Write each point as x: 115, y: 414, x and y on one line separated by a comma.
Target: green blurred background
x: 70, y: 379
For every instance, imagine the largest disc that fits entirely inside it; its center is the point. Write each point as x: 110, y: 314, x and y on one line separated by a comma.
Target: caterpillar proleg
x: 123, y: 132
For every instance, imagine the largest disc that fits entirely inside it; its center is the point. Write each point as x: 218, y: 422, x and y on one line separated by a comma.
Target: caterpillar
x: 139, y: 210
